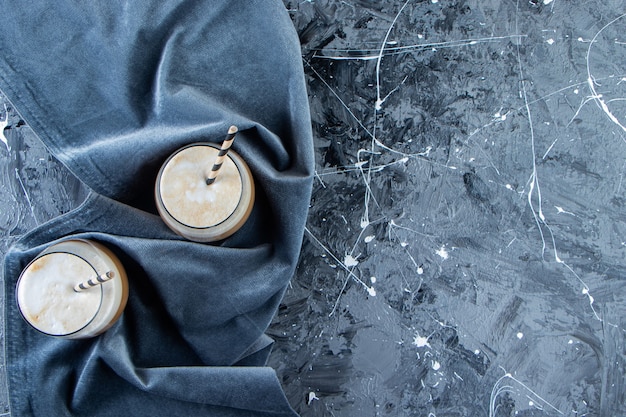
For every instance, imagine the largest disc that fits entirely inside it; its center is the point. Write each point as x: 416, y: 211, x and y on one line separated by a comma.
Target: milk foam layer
x: 188, y: 198
x: 47, y: 298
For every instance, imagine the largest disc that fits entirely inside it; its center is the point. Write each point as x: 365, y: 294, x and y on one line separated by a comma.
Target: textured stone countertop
x: 465, y: 252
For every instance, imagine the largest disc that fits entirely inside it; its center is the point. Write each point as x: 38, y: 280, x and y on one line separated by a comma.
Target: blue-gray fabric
x: 113, y: 88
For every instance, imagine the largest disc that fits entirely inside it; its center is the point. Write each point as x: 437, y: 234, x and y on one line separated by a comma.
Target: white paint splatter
x: 420, y: 341
x: 561, y: 210
x: 373, y: 280
x: 591, y: 80
x: 436, y: 365
x: 507, y: 383
x: 364, y: 222
x: 311, y: 397
x: 499, y: 116
x: 520, y: 335
x: 547, y: 1
x: 350, y: 261
x: 371, y: 291
x: 550, y: 41
x: 369, y: 238
x: 442, y: 252
x: 3, y: 124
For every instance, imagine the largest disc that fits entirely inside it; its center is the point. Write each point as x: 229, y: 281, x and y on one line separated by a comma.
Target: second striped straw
x: 228, y: 142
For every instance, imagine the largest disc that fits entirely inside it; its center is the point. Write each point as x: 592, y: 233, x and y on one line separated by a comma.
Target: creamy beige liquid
x: 188, y: 198
x: 199, y: 211
x: 46, y: 296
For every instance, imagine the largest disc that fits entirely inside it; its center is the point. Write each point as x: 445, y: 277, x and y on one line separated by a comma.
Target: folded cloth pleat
x: 112, y: 89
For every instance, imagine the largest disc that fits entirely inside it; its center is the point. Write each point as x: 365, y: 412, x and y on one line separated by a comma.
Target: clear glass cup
x: 195, y: 210
x: 48, y: 301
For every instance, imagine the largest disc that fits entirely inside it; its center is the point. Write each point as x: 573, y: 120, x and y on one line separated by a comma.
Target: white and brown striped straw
x: 92, y: 282
x: 228, y: 142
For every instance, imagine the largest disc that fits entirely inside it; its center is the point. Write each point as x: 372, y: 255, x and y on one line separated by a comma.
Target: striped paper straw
x: 94, y: 281
x: 228, y: 142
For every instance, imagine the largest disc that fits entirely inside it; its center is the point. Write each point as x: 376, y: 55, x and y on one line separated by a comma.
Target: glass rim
x: 238, y: 164
x: 17, y: 298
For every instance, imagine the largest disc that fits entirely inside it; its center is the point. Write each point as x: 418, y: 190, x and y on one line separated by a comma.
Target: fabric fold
x: 113, y: 89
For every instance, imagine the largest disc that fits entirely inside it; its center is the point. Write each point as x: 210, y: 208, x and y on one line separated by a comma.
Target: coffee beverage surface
x: 188, y: 198
x: 47, y: 298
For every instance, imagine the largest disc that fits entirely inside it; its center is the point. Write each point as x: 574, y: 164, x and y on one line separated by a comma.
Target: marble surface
x: 465, y: 252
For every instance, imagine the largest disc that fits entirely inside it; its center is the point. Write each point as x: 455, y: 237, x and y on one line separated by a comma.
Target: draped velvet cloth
x: 113, y: 88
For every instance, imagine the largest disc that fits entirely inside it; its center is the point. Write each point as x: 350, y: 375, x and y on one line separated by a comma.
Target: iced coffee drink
x: 73, y: 289
x: 197, y: 210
